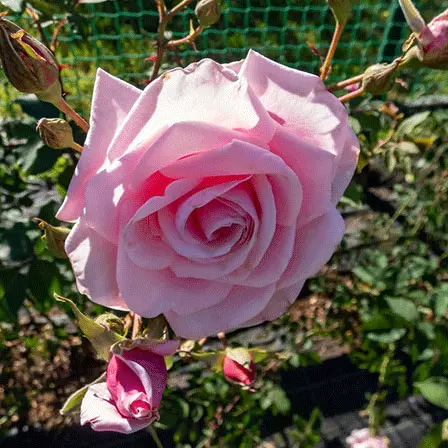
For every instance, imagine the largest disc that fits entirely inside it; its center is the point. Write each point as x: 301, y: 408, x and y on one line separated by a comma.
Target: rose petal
x: 278, y: 304
x: 98, y: 409
x: 314, y: 246
x: 251, y: 160
x: 240, y: 305
x: 313, y: 167
x: 321, y: 118
x: 186, y: 95
x: 112, y: 100
x: 93, y: 260
x: 150, y: 293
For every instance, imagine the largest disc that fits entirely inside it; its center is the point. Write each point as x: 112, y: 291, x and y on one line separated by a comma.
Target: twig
x: 57, y: 31
x: 35, y: 17
x: 164, y: 18
x: 325, y: 70
x: 348, y: 82
x: 351, y: 95
x: 66, y: 109
x: 187, y: 39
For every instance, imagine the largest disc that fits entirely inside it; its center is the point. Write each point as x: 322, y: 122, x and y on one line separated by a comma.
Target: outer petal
x: 315, y: 244
x: 150, y: 293
x: 186, y: 95
x: 94, y: 263
x: 278, y: 304
x: 112, y: 100
x: 98, y: 409
x: 240, y: 305
x: 345, y: 167
x: 314, y: 168
x: 298, y: 100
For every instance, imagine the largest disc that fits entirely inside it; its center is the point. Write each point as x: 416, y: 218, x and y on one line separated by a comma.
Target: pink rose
x: 433, y: 42
x: 361, y: 438
x: 210, y: 196
x: 238, y: 373
x: 129, y: 399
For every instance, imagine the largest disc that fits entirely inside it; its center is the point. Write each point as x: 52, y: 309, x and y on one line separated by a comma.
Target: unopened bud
x: 239, y: 367
x: 54, y: 238
x: 28, y: 64
x: 208, y: 12
x: 111, y: 322
x: 380, y: 78
x: 341, y: 9
x: 55, y: 133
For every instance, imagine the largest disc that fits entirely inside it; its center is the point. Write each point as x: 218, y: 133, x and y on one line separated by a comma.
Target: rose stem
x: 137, y: 325
x: 324, y: 71
x: 164, y: 18
x: 351, y: 95
x: 185, y: 40
x: 347, y: 82
x: 154, y: 436
x: 66, y: 109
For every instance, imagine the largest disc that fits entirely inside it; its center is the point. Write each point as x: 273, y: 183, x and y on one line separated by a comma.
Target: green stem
x: 154, y: 436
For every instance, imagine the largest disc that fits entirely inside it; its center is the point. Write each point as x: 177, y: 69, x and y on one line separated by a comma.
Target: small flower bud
x: 28, y: 64
x: 54, y: 238
x: 433, y: 43
x: 341, y: 9
x: 111, y: 322
x: 239, y: 367
x: 208, y: 12
x: 380, y: 78
x: 55, y: 133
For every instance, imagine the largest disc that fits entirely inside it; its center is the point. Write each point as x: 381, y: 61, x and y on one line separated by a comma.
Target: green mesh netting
x: 118, y: 35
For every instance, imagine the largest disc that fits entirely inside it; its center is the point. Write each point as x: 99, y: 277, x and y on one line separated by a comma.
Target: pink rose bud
x: 28, y: 64
x: 239, y: 366
x: 432, y: 39
x: 361, y: 438
x: 130, y: 398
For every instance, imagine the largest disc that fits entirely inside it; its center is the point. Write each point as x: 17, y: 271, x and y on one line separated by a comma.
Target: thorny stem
x: 66, y: 109
x: 325, y: 70
x: 351, y: 95
x: 164, y: 18
x: 185, y: 40
x: 57, y: 31
x: 347, y: 82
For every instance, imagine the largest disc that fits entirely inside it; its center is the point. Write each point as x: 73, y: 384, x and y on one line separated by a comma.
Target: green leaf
x: 258, y: 355
x: 100, y: 337
x: 169, y: 361
x: 75, y: 399
x: 387, y: 337
x: 212, y: 359
x: 403, y: 308
x: 14, y: 5
x: 279, y: 400
x: 441, y: 303
x: 409, y: 124
x: 435, y: 390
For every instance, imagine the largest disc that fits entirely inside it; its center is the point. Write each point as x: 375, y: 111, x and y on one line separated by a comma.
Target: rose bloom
x: 129, y: 399
x: 433, y: 42
x: 210, y: 196
x: 361, y: 438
